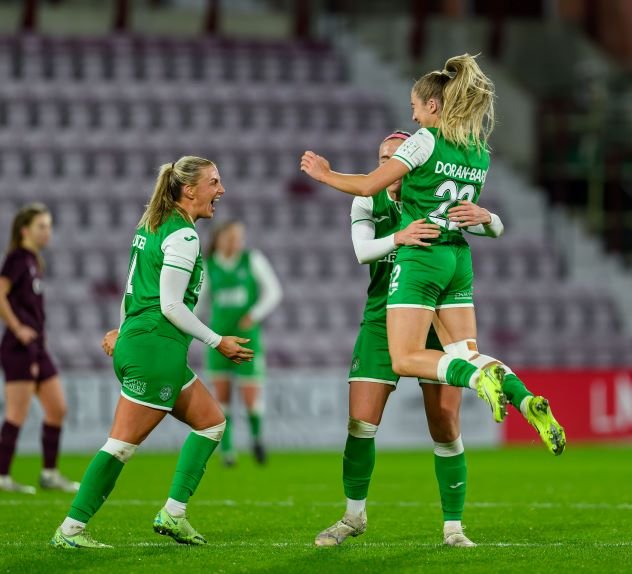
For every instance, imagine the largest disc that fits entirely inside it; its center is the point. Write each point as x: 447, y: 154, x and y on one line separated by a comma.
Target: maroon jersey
x: 22, y: 269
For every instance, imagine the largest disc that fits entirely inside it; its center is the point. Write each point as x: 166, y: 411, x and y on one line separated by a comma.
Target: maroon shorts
x: 16, y: 361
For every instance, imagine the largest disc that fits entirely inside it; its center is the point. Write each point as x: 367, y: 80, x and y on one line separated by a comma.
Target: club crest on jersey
x: 355, y: 364
x: 165, y: 393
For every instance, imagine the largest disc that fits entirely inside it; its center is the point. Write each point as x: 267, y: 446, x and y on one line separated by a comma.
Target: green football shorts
x: 371, y: 360
x: 152, y: 370
x: 432, y: 278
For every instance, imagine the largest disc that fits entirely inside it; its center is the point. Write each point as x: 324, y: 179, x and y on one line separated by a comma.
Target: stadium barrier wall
x: 304, y: 409
x: 592, y: 405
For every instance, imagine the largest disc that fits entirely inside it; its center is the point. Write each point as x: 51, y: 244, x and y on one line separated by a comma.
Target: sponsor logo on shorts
x: 355, y: 364
x: 165, y: 393
x: 463, y: 295
x: 134, y: 385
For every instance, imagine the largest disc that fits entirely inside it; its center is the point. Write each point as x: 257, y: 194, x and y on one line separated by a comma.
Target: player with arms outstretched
x: 150, y: 354
x: 376, y: 234
x: 444, y: 163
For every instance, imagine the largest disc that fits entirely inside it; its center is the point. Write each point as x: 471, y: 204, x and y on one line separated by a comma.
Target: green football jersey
x: 234, y: 291
x: 385, y: 213
x: 174, y: 244
x: 441, y: 174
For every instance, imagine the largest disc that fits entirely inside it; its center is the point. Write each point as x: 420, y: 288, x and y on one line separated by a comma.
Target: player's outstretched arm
x: 363, y: 185
x: 368, y: 249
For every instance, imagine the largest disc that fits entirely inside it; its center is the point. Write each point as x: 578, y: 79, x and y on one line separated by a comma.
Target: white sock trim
x: 452, y: 526
x: 356, y: 506
x: 119, y: 449
x: 524, y: 405
x: 442, y: 368
x: 176, y: 508
x: 70, y: 526
x: 213, y: 433
x: 445, y: 449
x: 463, y: 349
x: 361, y: 429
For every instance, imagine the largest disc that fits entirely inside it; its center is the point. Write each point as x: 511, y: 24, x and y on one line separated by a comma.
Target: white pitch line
x: 260, y: 545
x: 291, y: 503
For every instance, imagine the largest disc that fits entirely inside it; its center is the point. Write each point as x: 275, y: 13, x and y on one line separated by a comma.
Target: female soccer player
x: 150, y: 353
x: 28, y: 367
x: 244, y: 290
x: 375, y: 230
x: 444, y: 163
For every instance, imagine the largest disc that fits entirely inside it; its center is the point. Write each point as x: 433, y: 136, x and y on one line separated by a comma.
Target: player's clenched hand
x: 25, y: 334
x: 109, y: 341
x: 231, y: 349
x: 468, y: 213
x: 315, y: 165
x: 416, y: 232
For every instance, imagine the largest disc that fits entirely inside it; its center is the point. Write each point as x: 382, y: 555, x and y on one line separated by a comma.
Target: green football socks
x: 357, y: 466
x: 96, y: 485
x: 451, y: 473
x: 191, y: 465
x: 514, y: 390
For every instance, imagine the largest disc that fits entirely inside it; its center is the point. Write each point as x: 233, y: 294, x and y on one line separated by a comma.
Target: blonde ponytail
x: 466, y: 95
x: 168, y: 190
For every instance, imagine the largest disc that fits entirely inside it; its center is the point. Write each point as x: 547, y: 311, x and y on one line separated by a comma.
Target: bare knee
x: 444, y: 424
x: 55, y: 415
x: 402, y: 366
x: 16, y: 414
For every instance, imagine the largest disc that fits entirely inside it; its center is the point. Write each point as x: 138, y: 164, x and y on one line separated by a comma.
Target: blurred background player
x: 376, y: 234
x: 28, y: 368
x: 245, y: 290
x: 150, y: 354
x: 442, y: 164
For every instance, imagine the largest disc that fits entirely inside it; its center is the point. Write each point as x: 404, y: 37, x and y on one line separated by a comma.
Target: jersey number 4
x: 450, y: 189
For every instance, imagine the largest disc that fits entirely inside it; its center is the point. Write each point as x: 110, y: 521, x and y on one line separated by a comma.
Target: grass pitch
x: 528, y: 511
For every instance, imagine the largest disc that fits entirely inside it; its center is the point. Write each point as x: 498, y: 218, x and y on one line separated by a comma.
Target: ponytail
x: 466, y: 96
x: 168, y: 190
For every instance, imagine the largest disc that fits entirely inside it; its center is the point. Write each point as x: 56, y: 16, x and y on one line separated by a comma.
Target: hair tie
x: 450, y: 75
x: 173, y: 165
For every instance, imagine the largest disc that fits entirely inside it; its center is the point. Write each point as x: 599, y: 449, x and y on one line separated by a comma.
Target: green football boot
x: 80, y: 540
x: 178, y: 528
x: 489, y: 388
x: 540, y: 417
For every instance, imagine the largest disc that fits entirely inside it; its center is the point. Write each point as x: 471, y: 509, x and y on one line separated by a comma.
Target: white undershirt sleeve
x: 173, y: 285
x: 181, y: 250
x: 416, y: 150
x: 493, y: 229
x: 270, y: 291
x: 366, y: 247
